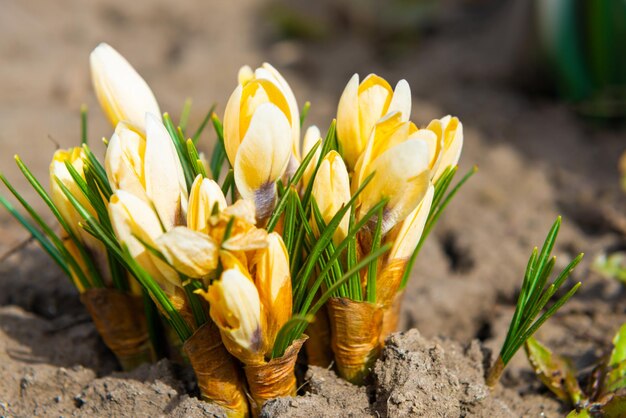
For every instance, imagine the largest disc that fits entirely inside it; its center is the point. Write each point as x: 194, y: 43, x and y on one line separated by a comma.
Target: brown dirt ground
x: 536, y: 159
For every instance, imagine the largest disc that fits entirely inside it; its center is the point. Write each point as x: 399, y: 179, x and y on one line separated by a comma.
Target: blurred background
x: 540, y: 87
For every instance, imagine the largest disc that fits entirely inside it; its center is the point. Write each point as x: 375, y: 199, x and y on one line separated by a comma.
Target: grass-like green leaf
x: 534, y: 296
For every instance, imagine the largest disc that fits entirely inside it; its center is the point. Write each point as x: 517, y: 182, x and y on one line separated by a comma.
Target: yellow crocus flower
x: 361, y: 106
x: 148, y: 167
x: 122, y: 93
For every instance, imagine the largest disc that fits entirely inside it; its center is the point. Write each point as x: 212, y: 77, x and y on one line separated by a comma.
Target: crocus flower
x: 361, y: 106
x: 122, y: 93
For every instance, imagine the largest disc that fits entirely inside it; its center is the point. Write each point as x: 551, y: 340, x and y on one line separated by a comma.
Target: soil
x: 537, y: 159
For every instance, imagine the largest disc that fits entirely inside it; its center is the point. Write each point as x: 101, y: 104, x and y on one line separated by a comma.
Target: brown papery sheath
x: 355, y: 328
x: 273, y: 379
x: 218, y: 378
x: 121, y: 322
x: 318, y: 350
x: 391, y: 317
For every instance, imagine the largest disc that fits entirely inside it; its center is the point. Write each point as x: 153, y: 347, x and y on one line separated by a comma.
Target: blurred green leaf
x: 556, y: 372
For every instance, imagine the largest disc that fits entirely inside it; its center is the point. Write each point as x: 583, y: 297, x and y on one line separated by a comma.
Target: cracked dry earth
x: 536, y: 160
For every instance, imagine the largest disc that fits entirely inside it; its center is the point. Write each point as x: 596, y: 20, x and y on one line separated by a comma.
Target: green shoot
x: 533, y: 298
x: 304, y: 112
x: 184, y: 114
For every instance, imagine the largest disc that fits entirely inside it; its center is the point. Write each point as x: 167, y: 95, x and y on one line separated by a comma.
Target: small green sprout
x: 533, y: 298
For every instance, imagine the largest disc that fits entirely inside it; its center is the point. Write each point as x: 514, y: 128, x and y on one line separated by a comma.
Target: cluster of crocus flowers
x: 377, y: 140
x: 237, y: 282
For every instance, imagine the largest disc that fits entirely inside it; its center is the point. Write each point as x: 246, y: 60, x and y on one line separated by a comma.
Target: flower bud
x: 264, y: 85
x: 361, y: 106
x: 192, y: 253
x: 236, y: 309
x: 122, y: 93
x: 205, y: 197
x: 134, y: 221
x: 410, y: 230
x: 148, y: 167
x: 331, y: 190
x: 273, y: 282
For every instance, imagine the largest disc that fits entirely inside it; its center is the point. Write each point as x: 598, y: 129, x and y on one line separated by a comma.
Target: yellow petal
x: 205, y: 197
x: 374, y: 99
x: 192, y: 253
x: 349, y: 137
x: 253, y: 239
x: 243, y: 210
x: 232, y: 138
x: 402, y: 176
x: 273, y: 282
x: 331, y: 190
x: 262, y: 157
x: 411, y: 228
x: 122, y: 93
x: 236, y: 310
x: 165, y: 182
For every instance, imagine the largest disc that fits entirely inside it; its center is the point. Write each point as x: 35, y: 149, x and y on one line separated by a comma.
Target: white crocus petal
x: 123, y: 94
x: 245, y: 74
x: 192, y: 253
x: 348, y: 132
x: 311, y: 137
x: 412, y: 228
x: 402, y: 177
x: 430, y: 139
x: 205, y: 196
x: 263, y: 156
x: 165, y: 182
x: 401, y: 100
x: 293, y: 106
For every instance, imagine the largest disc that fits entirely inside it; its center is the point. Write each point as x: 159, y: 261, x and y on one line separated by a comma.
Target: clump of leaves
x: 533, y: 298
x: 605, y: 393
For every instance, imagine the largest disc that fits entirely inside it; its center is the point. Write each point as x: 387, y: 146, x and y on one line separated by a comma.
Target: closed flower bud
x: 273, y: 282
x: 148, y: 167
x: 360, y: 108
x: 205, y: 197
x: 122, y: 93
x: 236, y: 309
x: 331, y: 190
x: 134, y: 221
